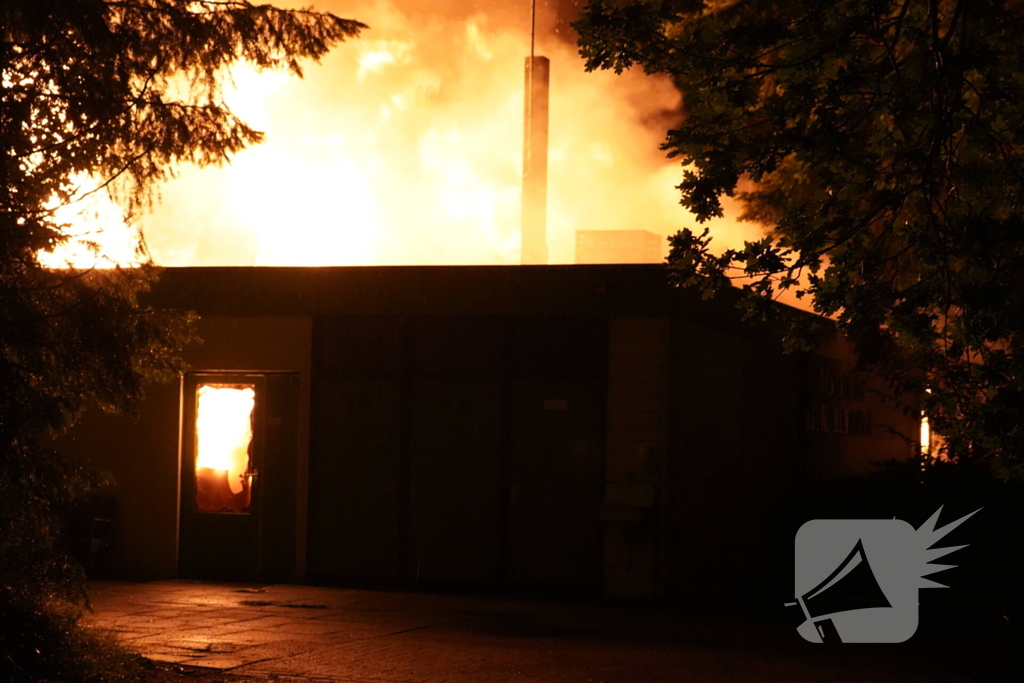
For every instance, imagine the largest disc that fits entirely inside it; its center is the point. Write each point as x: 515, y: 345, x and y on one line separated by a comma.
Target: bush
x: 42, y: 588
x: 42, y: 641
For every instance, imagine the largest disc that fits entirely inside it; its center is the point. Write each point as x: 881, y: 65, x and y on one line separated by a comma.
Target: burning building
x: 585, y: 427
x: 405, y: 414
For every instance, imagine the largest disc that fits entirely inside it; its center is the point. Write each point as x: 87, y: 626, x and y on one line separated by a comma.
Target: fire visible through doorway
x: 224, y: 431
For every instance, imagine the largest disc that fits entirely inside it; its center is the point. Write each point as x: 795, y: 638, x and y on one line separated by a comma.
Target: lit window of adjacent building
x: 926, y: 436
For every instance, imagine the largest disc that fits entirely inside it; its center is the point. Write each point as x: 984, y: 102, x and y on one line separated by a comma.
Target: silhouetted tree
x: 97, y: 96
x: 882, y: 142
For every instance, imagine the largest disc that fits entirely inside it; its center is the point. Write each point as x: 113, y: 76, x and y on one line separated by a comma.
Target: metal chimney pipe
x: 534, y: 246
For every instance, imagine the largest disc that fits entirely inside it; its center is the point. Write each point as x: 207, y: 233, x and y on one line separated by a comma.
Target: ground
x: 157, y: 672
x: 213, y: 633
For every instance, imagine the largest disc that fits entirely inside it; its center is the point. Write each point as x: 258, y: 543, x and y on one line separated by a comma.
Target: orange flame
x: 224, y: 430
x: 404, y: 147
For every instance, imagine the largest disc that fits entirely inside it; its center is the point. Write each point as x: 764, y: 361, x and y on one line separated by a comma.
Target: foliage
x: 881, y: 142
x: 41, y: 641
x: 98, y: 96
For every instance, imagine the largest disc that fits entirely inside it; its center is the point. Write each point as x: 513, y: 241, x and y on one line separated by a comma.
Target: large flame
x: 224, y: 430
x: 98, y: 234
x: 405, y: 147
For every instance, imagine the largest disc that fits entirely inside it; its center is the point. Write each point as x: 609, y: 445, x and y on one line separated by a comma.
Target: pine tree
x: 98, y: 96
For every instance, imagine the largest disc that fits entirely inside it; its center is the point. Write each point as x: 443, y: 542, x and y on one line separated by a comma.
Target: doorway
x: 239, y: 446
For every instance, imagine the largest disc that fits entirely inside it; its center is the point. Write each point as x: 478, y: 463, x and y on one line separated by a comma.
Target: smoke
x: 405, y: 147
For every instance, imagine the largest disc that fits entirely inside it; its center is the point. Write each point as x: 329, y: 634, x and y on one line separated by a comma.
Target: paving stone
x: 277, y: 649
x: 217, y: 662
x: 258, y: 637
x: 127, y: 634
x: 163, y: 648
x: 169, y: 659
x: 265, y: 622
x: 162, y: 613
x: 381, y: 637
x: 312, y: 629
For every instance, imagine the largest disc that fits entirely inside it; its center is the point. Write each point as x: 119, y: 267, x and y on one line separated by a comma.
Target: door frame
x: 251, y: 523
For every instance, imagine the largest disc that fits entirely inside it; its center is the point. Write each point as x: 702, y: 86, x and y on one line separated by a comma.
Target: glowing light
x: 926, y: 436
x: 224, y: 430
x: 98, y: 235
x: 379, y: 54
x: 404, y: 147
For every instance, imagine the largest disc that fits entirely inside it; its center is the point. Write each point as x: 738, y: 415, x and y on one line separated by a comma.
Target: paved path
x: 356, y: 636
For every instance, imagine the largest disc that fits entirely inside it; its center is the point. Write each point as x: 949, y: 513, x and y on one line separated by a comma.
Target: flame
x: 98, y: 233
x: 404, y: 147
x: 224, y: 430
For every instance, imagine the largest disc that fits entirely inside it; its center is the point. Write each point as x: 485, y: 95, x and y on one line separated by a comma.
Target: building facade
x: 582, y: 428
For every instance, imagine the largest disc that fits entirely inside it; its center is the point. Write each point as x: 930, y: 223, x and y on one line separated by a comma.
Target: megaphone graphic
x: 851, y: 585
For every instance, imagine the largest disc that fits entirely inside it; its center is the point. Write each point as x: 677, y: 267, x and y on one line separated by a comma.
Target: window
x: 835, y: 420
x: 224, y: 431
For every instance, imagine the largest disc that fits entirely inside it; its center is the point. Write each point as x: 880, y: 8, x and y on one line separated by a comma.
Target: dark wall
x: 139, y: 455
x: 735, y: 460
x: 457, y: 449
x: 755, y: 433
x: 590, y: 290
